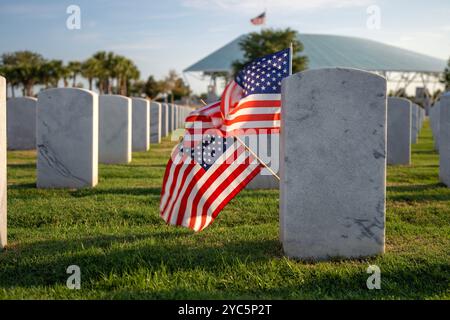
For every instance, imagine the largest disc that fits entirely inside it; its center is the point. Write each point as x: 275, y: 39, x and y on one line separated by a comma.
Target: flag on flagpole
x: 210, y: 166
x: 258, y: 20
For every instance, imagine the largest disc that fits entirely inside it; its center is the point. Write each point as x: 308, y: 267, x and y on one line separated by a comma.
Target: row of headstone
x: 117, y: 121
x: 404, y: 122
x: 75, y: 129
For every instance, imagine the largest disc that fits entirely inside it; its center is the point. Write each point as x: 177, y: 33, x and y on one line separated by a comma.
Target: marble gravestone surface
x: 115, y: 121
x: 155, y: 122
x: 67, y: 138
x: 170, y: 115
x: 435, y: 123
x: 21, y: 123
x: 141, y: 124
x: 399, y: 131
x: 333, y: 164
x: 3, y: 183
x: 175, y: 116
x: 164, y: 119
x: 444, y: 139
x: 414, y: 123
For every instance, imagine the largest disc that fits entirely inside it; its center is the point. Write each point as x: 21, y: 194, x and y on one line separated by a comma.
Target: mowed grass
x: 125, y: 251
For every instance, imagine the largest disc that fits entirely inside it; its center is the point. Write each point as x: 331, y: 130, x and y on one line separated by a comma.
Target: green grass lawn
x: 125, y: 251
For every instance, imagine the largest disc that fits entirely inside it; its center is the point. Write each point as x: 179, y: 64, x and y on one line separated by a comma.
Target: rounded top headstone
x: 66, y: 94
x: 23, y: 98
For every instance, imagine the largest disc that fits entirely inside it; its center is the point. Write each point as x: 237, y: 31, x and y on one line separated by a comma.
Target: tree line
x: 108, y: 72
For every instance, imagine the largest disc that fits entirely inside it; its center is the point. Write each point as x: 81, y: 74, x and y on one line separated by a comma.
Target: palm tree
x: 52, y: 71
x: 11, y: 75
x: 75, y: 69
x: 132, y: 74
x: 24, y: 67
x: 102, y: 71
x: 124, y: 70
x: 89, y: 70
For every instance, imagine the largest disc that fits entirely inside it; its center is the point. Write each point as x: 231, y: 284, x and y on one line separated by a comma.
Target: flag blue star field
x: 264, y: 75
x: 210, y: 166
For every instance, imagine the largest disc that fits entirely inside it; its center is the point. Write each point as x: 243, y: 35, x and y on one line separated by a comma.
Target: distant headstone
x: 170, y: 115
x: 115, y: 121
x: 422, y: 97
x: 421, y: 118
x: 435, y: 123
x: 444, y: 139
x: 414, y: 123
x: 67, y: 138
x: 175, y: 117
x: 141, y: 124
x: 333, y: 166
x: 21, y: 122
x: 164, y: 119
x: 155, y: 122
x: 399, y: 131
x: 267, y: 148
x: 3, y: 183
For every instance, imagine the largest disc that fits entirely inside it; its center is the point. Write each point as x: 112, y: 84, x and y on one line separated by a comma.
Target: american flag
x: 253, y: 99
x: 211, y: 166
x: 261, y: 19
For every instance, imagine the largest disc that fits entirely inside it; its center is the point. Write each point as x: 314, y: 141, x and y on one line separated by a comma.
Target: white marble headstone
x: 114, y: 129
x: 3, y: 183
x: 170, y: 115
x: 435, y: 123
x: 333, y: 164
x: 155, y: 122
x: 21, y: 121
x: 164, y: 119
x: 67, y: 138
x: 444, y: 139
x: 399, y: 131
x: 414, y: 123
x: 141, y: 124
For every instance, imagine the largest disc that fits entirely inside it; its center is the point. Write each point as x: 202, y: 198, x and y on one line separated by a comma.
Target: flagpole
x: 253, y: 153
x: 257, y: 158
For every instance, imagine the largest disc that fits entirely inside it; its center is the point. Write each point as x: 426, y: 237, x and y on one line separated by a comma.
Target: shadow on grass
x: 21, y: 186
x: 44, y: 263
x: 22, y: 166
x: 424, y: 192
x: 425, y: 151
x: 133, y: 191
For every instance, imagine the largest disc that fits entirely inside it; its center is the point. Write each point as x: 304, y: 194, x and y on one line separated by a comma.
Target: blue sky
x: 173, y: 34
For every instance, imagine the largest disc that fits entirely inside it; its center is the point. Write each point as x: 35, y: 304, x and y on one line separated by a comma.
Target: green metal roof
x: 334, y: 51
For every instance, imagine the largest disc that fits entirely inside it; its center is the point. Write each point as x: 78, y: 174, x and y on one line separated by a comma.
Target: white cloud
x: 251, y: 6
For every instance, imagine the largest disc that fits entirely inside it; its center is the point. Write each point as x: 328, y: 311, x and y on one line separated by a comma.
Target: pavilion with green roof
x: 400, y: 66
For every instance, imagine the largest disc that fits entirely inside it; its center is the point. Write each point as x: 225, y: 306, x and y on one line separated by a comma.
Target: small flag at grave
x: 211, y: 165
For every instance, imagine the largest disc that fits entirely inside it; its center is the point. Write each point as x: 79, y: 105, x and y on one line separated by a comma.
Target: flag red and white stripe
x: 193, y: 197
